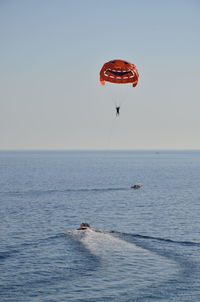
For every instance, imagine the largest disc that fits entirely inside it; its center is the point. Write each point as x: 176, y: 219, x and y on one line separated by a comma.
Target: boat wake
x: 20, y: 193
x: 124, y: 264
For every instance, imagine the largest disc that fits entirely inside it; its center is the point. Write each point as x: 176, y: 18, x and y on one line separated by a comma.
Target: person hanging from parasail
x: 117, y: 110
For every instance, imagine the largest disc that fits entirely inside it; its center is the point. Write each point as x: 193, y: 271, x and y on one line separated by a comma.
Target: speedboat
x: 136, y: 186
x: 84, y: 226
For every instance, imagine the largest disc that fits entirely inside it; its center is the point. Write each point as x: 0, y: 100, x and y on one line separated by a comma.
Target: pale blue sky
x: 51, y: 55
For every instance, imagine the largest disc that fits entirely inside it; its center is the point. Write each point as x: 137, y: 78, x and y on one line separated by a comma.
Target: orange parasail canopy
x: 119, y: 72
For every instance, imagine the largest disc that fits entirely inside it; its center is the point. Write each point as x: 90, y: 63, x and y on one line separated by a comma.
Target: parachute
x: 119, y: 72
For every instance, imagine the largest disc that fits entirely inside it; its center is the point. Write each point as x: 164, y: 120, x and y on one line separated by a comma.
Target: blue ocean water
x: 145, y: 245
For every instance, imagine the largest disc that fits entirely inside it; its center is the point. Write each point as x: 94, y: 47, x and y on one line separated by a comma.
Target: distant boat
x: 136, y: 186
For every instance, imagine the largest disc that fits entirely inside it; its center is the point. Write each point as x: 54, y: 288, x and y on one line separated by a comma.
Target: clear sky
x: 50, y: 56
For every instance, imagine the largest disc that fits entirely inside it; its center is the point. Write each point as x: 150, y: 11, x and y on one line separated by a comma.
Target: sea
x: 143, y: 244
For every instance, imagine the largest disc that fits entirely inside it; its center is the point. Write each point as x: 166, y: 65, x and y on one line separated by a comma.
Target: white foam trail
x: 102, y: 243
x: 124, y: 264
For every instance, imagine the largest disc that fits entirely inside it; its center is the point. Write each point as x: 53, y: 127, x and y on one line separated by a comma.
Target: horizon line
x: 84, y: 149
